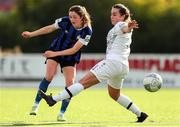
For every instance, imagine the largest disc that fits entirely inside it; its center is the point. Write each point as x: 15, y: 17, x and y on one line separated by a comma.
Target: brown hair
x: 123, y: 10
x: 82, y: 12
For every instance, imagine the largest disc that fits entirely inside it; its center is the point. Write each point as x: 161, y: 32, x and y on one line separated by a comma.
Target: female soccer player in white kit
x: 112, y: 69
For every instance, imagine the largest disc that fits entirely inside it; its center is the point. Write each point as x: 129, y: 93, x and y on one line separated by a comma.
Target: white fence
x: 31, y: 67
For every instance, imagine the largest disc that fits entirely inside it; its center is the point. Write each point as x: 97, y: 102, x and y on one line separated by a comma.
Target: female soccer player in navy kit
x: 113, y: 69
x: 75, y: 32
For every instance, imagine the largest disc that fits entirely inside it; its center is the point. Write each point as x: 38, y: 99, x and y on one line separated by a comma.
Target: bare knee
x: 51, y: 68
x: 49, y: 76
x: 113, y: 93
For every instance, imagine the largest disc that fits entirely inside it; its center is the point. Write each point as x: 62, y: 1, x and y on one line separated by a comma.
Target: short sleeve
x: 61, y: 22
x: 56, y: 22
x: 120, y: 25
x: 85, y: 36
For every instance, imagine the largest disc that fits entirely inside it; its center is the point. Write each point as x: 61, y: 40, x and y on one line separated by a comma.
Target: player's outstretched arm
x: 41, y: 31
x: 131, y: 25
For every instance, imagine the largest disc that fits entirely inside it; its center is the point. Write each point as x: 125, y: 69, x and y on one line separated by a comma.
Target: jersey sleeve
x: 85, y: 36
x: 120, y: 25
x: 60, y: 23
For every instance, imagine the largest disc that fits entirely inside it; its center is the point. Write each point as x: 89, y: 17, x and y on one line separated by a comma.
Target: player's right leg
x: 51, y: 66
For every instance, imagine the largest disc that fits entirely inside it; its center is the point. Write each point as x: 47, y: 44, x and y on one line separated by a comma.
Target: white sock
x: 74, y: 90
x: 128, y: 104
x: 36, y: 104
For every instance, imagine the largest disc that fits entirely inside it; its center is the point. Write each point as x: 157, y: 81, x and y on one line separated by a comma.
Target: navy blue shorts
x: 62, y: 63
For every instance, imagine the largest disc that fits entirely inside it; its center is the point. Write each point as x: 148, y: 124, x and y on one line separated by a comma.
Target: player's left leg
x: 87, y: 81
x: 127, y: 103
x: 100, y: 72
x: 69, y: 73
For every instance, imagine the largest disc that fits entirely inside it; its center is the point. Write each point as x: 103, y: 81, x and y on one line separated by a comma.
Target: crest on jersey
x: 66, y: 31
x: 87, y: 38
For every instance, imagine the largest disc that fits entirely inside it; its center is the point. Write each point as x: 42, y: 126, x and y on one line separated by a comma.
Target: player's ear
x: 82, y: 20
x: 122, y: 16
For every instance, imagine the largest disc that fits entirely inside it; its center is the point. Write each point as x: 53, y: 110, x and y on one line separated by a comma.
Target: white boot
x: 34, y: 109
x: 61, y: 117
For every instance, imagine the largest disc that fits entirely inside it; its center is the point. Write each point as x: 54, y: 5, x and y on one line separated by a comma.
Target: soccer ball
x: 152, y: 82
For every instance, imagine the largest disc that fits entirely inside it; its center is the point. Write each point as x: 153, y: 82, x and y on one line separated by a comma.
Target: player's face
x: 116, y: 16
x: 75, y: 19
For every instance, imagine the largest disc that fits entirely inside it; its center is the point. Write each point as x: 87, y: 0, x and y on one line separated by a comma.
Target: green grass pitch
x: 92, y: 107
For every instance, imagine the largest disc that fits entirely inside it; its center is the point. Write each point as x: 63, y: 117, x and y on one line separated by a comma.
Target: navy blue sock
x: 65, y: 104
x: 43, y: 86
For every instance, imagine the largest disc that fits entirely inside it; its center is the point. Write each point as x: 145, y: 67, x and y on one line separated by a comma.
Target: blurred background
x: 155, y: 46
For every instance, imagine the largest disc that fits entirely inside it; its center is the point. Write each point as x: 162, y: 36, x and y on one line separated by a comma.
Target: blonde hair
x: 82, y: 12
x: 123, y: 10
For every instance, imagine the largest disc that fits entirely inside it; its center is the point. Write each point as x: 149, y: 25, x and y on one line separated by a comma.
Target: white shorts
x: 111, y: 71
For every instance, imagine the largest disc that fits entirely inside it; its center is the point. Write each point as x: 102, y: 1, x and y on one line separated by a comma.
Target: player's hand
x: 26, y: 34
x: 49, y: 54
x: 133, y: 24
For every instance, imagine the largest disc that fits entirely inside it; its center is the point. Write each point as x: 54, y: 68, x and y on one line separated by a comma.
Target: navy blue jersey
x: 67, y: 37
